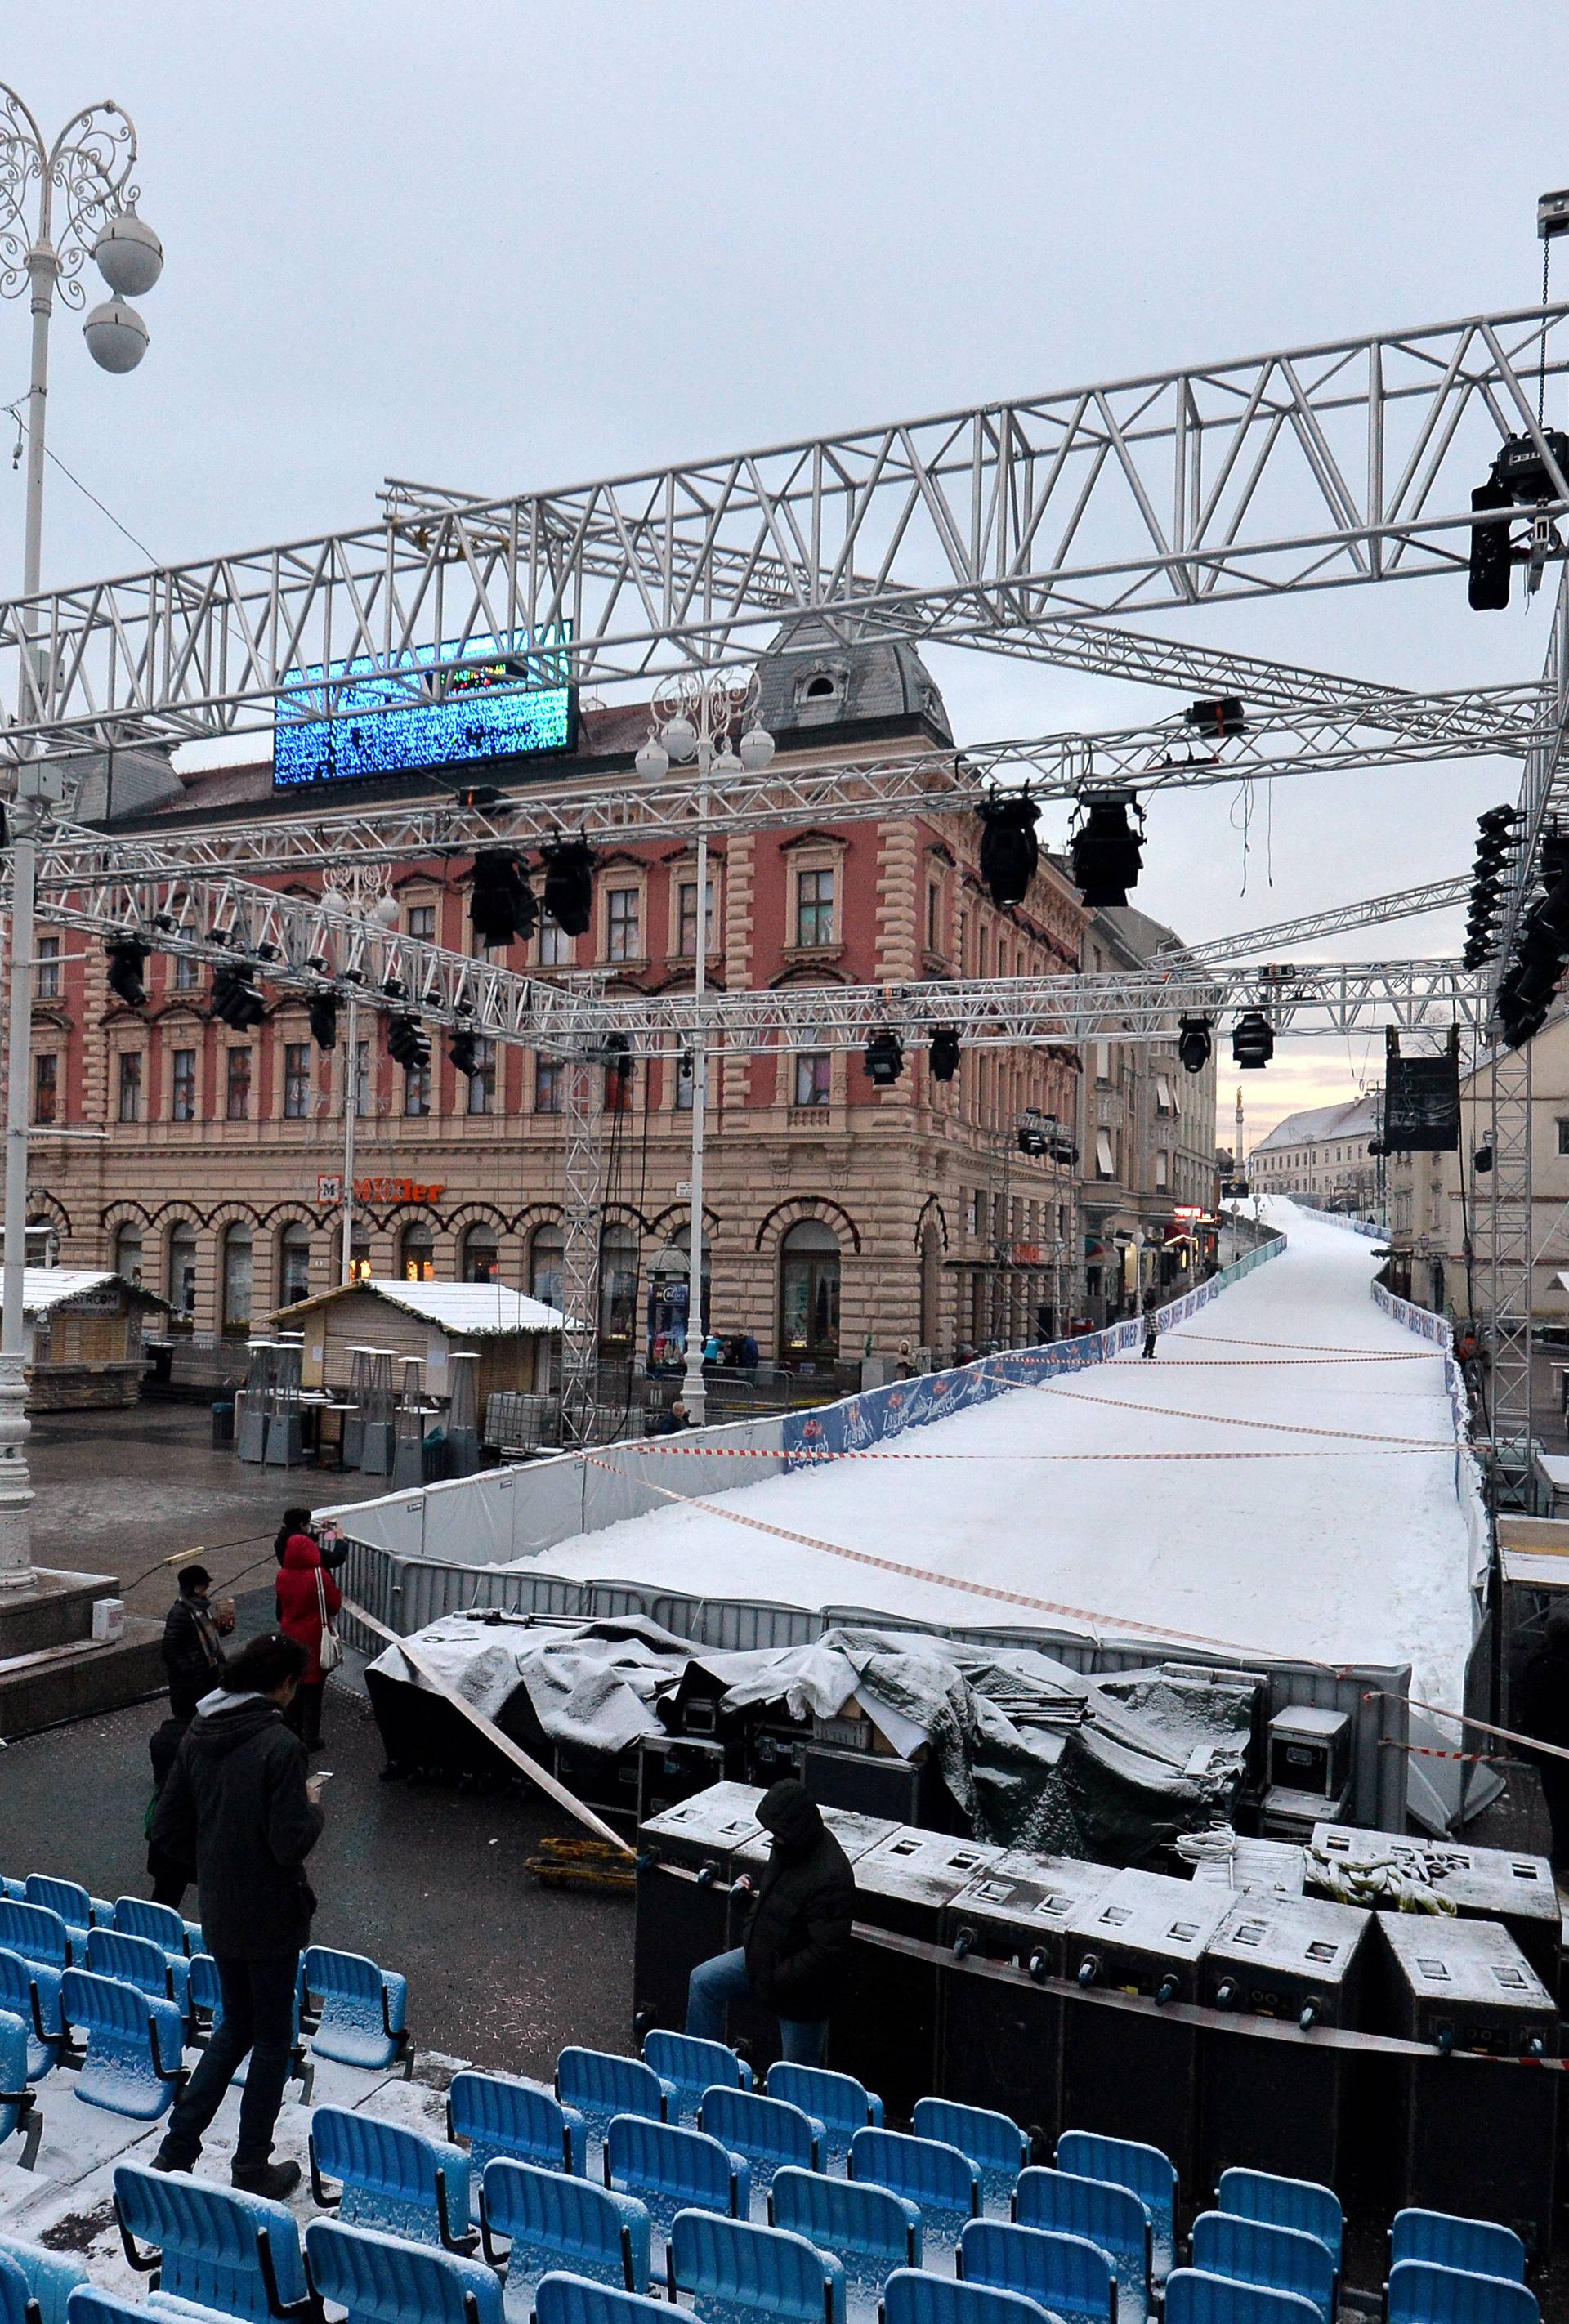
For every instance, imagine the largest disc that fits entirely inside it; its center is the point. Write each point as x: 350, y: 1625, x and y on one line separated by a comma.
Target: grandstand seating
x: 913, y: 2297
x: 135, y: 2044
x: 1299, y: 2203
x: 35, y: 1932
x: 357, y: 2011
x: 691, y: 2066
x: 1476, y: 2247
x: 386, y: 2279
x: 571, y: 2299
x: 838, y: 2101
x: 549, y: 2220
x: 1074, y: 2280
x: 138, y: 1961
x: 770, y: 2132
x: 995, y: 2144
x: 19, y: 2111
x: 71, y: 1902
x: 1281, y: 2259
x: 1194, y: 2298
x: 205, y: 2013
x: 29, y: 1991
x: 16, y: 2300
x: 600, y: 2085
x: 873, y: 2230
x: 1111, y: 2216
x: 52, y: 2276
x: 1420, y: 2292
x: 137, y: 1916
x: 395, y: 2179
x: 733, y: 2269
x: 1144, y: 2170
x: 236, y: 2253
x: 89, y: 2305
x: 942, y: 2184
x: 674, y: 2169
x: 499, y: 2116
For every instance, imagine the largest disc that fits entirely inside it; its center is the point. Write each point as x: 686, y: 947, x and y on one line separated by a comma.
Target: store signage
x: 329, y: 1189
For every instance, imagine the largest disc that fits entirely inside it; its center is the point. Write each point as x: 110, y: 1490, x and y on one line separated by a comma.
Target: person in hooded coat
x: 798, y: 1940
x: 306, y: 1591
x: 1542, y: 1710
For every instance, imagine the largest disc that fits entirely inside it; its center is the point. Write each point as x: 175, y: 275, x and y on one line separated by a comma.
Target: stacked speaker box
x: 1510, y: 1886
x: 1467, y: 2135
x: 1268, y: 2105
x: 1001, y: 2040
x: 1134, y: 2074
x: 674, y: 1768
x: 886, y: 2029
x: 756, y: 2029
x: 681, y: 1922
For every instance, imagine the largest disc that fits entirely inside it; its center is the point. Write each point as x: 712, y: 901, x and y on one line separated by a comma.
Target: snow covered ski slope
x: 1336, y: 1545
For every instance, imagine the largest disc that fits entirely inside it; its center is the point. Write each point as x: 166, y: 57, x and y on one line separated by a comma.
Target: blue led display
x: 423, y: 715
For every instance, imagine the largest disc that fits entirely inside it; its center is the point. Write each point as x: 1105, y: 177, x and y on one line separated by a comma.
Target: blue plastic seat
x: 995, y: 2144
x: 1281, y: 2259
x: 1299, y: 2203
x: 19, y: 2113
x: 732, y: 2269
x: 89, y: 2305
x: 16, y: 2302
x: 1073, y: 2279
x: 1420, y: 2292
x: 29, y: 1991
x: 138, y: 1961
x: 132, y: 2061
x: 239, y: 2253
x: 1445, y: 2239
x: 52, y: 2276
x: 391, y: 2179
x: 574, y: 2300
x: 838, y: 2101
x: 551, y: 2222
x: 769, y: 2132
x: 502, y: 2117
x: 1124, y: 2162
x: 691, y: 2066
x: 1192, y: 2297
x: 205, y: 2002
x: 359, y: 2011
x: 913, y: 2297
x: 1111, y: 2216
x: 35, y: 1932
x: 941, y: 2182
x: 137, y: 1916
x: 71, y: 1900
x: 387, y: 2280
x: 674, y: 2169
x: 873, y: 2230
x: 600, y: 2084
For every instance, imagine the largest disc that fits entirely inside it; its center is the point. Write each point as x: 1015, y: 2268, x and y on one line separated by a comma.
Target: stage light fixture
x: 1522, y: 471
x: 324, y: 1021
x: 1033, y: 1132
x: 126, y: 957
x: 1252, y: 1042
x: 1488, y: 583
x: 569, y: 866
x: 236, y: 1001
x: 1009, y: 850
x: 884, y: 1058
x: 942, y: 1054
x: 1481, y: 1161
x: 501, y: 903
x: 464, y: 1054
x: 1106, y: 852
x: 480, y: 795
x: 408, y: 1045
x: 1222, y: 716
x: 1194, y: 1043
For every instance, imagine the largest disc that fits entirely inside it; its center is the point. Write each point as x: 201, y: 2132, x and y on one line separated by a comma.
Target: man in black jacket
x: 1542, y: 1710
x: 239, y: 1808
x: 798, y: 1940
x: 193, y: 1660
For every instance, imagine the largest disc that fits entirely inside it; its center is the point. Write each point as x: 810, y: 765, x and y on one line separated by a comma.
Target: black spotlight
x: 1194, y: 1045
x: 236, y: 998
x: 464, y: 1052
x: 324, y: 1021
x: 1009, y: 850
x: 126, y: 957
x: 569, y: 867
x: 407, y: 1043
x: 1034, y: 1133
x: 943, y: 1055
x: 1220, y: 716
x: 1106, y: 852
x: 884, y: 1058
x: 1488, y: 586
x: 1481, y: 1161
x: 501, y: 904
x: 1252, y: 1042
x: 1521, y: 472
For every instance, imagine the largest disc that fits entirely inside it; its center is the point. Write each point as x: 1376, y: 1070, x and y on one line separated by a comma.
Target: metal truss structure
x: 1304, y: 468
x: 1371, y: 912
x: 1502, y: 1235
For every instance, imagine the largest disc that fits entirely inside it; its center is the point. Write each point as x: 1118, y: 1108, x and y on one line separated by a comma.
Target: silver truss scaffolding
x: 1371, y: 912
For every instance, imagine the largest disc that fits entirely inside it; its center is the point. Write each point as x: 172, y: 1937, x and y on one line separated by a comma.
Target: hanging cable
x: 1542, y: 358
x: 23, y: 430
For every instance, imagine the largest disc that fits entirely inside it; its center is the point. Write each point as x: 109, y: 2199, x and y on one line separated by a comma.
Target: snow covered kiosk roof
x: 477, y: 1311
x: 46, y: 1287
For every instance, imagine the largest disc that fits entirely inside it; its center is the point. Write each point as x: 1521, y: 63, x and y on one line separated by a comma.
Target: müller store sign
x: 329, y: 1189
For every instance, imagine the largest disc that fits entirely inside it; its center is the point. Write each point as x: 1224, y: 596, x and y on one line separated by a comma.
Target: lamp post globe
x: 653, y: 761
x: 129, y: 255
x: 756, y: 749
x: 116, y: 336
x: 679, y: 738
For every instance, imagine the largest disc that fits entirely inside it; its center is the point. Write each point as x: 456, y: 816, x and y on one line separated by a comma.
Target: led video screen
x: 350, y: 721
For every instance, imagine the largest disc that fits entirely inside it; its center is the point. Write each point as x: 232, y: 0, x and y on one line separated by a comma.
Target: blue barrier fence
x: 879, y: 1413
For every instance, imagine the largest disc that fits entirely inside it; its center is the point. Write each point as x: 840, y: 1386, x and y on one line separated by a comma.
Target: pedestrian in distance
x: 1543, y: 1712
x: 193, y: 1655
x: 298, y: 1520
x: 1151, y: 1334
x: 307, y: 1598
x: 749, y: 1358
x: 239, y: 1811
x: 797, y: 1947
x: 675, y: 1420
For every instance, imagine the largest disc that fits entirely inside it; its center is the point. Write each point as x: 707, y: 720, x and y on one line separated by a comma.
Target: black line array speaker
x: 1505, y: 1884
x: 680, y: 1923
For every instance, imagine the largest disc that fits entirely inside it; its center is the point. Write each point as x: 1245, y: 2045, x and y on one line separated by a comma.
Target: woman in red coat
x: 306, y: 1591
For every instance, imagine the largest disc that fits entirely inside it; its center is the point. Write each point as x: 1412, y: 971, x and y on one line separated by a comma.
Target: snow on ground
x: 1342, y: 1551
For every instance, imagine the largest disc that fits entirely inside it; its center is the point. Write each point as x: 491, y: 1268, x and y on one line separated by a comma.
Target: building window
x: 547, y: 1261
x: 182, y: 1269
x: 296, y: 1080
x: 1105, y: 1160
x: 557, y: 948
x: 1103, y: 1061
x: 417, y: 1088
x: 186, y: 973
x: 1162, y: 1169
x: 128, y: 1254
x: 618, y: 1273
x: 182, y: 1086
x: 1164, y: 1102
x: 547, y: 1085
x: 809, y: 1295
x: 237, y: 1088
x: 130, y: 1094
x: 482, y: 1254
x: 623, y: 922
x: 933, y: 917
x: 46, y: 1089
x: 1563, y: 1134
x: 685, y: 1082
x: 359, y: 1253
x: 813, y: 1078
x: 814, y: 908
x: 362, y: 1078
x: 686, y: 917
x: 416, y: 1253
x: 422, y: 923
x: 293, y: 1263
x: 482, y: 1092
x: 236, y: 1278
x: 49, y: 968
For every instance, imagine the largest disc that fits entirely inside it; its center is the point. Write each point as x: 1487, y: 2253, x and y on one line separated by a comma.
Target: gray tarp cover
x: 1037, y: 1755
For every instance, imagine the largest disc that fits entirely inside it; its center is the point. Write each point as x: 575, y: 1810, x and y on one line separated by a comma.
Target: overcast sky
x: 505, y: 245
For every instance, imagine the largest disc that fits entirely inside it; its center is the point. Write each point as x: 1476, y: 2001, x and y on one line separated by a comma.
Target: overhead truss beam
x: 1371, y: 912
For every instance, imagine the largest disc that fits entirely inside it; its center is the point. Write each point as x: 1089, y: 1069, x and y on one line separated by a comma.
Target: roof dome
x: 810, y: 677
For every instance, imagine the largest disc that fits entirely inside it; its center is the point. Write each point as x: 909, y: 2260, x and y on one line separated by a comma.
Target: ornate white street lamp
x: 358, y: 893
x: 59, y: 204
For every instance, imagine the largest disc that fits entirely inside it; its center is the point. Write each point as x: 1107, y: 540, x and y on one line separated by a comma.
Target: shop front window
x: 417, y: 1254
x: 481, y: 1255
x: 128, y: 1254
x: 618, y: 1272
x: 809, y: 1294
x: 294, y: 1264
x: 238, y: 1277
x: 183, y: 1271
x: 547, y: 1262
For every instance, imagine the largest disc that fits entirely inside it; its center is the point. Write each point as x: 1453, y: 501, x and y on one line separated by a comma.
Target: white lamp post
x: 693, y: 715
x: 87, y: 171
